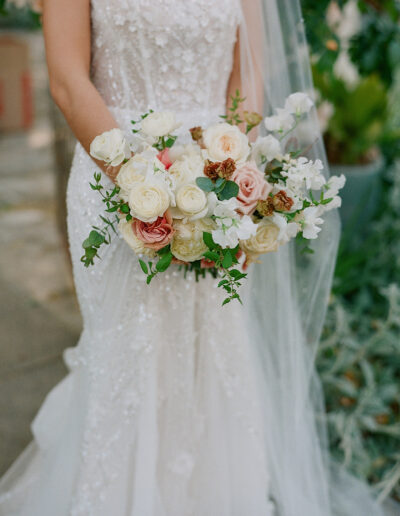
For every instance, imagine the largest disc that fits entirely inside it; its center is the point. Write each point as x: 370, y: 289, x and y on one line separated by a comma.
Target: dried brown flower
x: 252, y: 118
x: 211, y: 169
x: 282, y: 202
x: 265, y: 208
x: 217, y: 169
x: 227, y: 168
x: 197, y: 133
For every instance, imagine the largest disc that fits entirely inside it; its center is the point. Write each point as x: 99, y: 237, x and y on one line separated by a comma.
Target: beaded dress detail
x: 160, y: 412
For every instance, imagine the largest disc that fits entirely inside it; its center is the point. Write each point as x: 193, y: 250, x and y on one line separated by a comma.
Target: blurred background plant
x: 355, y: 47
x: 20, y: 14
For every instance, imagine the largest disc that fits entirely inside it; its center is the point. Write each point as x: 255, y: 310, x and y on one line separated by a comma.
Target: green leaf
x: 125, y: 208
x: 226, y: 301
x: 149, y: 278
x: 170, y: 141
x: 90, y: 252
x: 143, y: 266
x: 164, y: 250
x: 227, y: 261
x: 95, y: 238
x: 236, y: 274
x: 208, y: 240
x: 164, y: 262
x: 212, y: 256
x: 231, y: 189
x: 223, y: 282
x: 205, y: 184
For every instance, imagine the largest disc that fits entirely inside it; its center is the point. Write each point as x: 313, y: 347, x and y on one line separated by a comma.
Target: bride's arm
x: 66, y: 26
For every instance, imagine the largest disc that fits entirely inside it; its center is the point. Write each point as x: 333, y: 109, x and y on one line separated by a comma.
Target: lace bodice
x: 174, y: 54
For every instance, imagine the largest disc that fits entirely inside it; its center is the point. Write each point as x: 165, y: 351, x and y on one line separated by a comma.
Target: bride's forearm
x: 84, y: 110
x: 67, y: 33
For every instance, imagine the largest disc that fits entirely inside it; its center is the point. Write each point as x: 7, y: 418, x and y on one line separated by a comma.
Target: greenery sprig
x: 99, y: 236
x: 225, y: 261
x: 151, y: 269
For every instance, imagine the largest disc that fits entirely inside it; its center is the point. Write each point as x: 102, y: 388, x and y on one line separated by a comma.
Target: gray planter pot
x: 361, y: 193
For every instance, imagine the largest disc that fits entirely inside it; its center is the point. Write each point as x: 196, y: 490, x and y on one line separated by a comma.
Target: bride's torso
x: 164, y: 54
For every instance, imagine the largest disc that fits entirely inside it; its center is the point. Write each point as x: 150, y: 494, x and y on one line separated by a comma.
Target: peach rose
x: 155, y: 235
x: 252, y: 187
x: 165, y: 158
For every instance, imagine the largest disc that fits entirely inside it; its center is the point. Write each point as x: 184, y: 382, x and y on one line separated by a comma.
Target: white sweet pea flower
x: 310, y: 222
x: 110, y: 147
x: 336, y: 202
x: 230, y: 226
x: 230, y: 231
x: 159, y: 123
x: 287, y: 230
x: 281, y: 122
x: 298, y: 104
x: 265, y: 149
x: 334, y: 184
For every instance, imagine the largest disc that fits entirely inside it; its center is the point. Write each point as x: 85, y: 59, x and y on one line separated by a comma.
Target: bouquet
x: 217, y: 204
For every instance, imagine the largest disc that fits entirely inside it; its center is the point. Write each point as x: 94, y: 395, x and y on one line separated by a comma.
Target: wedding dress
x: 171, y: 406
x: 159, y: 414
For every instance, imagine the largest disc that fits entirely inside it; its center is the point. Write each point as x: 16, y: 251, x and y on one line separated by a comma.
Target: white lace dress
x: 160, y: 413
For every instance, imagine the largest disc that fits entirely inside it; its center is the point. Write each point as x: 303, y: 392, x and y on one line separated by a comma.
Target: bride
x: 174, y: 406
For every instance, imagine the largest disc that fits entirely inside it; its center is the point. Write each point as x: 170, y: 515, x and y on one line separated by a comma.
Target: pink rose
x: 252, y: 187
x: 165, y: 158
x: 155, y: 235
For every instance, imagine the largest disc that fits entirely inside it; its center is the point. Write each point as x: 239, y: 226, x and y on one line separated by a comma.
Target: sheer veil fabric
x: 288, y: 294
x: 175, y: 406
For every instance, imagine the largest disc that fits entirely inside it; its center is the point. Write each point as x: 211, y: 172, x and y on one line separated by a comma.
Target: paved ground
x: 39, y: 316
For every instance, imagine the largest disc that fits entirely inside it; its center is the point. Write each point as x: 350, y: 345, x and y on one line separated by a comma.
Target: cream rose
x: 264, y: 241
x: 224, y: 141
x: 148, y: 200
x: 130, y: 174
x: 185, y: 169
x: 187, y: 244
x: 110, y: 147
x: 159, y: 123
x: 132, y: 240
x: 191, y: 201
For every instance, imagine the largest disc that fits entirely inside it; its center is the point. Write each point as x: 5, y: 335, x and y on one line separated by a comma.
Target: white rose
x: 264, y: 241
x: 185, y: 169
x: 266, y: 149
x: 159, y: 123
x: 192, y: 201
x: 298, y: 103
x: 129, y: 174
x: 282, y: 121
x: 110, y: 147
x: 224, y: 141
x: 148, y: 201
x: 132, y: 240
x: 188, y: 244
